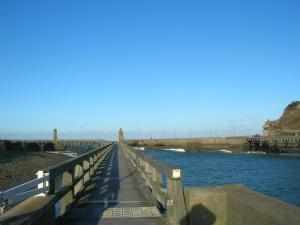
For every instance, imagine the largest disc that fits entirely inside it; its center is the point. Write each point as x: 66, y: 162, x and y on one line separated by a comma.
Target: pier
x: 274, y: 144
x: 47, y: 144
x: 116, y: 184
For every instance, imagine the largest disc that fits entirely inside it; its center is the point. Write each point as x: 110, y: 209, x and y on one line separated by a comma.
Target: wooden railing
x: 164, y: 182
x: 66, y: 181
x: 12, y: 196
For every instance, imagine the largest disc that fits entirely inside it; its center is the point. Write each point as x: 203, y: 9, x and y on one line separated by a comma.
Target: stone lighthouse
x: 55, y: 135
x: 121, y: 135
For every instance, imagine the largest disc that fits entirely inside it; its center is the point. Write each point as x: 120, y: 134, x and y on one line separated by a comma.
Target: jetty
x: 116, y: 184
x: 274, y: 144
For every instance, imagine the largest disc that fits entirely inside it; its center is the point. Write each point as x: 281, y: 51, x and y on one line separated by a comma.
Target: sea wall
x: 193, y: 144
x: 236, y: 205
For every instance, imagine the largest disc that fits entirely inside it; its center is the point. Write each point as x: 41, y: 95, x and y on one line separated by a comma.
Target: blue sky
x: 155, y: 68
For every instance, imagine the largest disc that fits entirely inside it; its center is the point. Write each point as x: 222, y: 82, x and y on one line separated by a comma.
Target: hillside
x: 287, y: 124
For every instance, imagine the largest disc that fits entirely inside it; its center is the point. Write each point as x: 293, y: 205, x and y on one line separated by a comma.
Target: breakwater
x: 193, y: 144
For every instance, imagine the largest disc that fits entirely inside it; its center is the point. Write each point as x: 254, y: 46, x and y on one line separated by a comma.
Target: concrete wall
x: 206, y: 206
x: 194, y: 144
x: 237, y: 205
x: 33, y: 211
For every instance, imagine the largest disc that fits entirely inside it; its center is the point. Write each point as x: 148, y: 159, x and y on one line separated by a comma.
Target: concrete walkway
x: 115, y: 196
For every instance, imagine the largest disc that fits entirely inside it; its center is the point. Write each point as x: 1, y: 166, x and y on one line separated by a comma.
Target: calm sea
x: 274, y: 175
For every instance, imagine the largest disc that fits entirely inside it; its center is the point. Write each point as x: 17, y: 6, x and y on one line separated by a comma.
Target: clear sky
x: 159, y: 68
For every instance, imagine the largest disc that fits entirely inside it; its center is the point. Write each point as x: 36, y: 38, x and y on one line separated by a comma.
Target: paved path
x: 115, y: 196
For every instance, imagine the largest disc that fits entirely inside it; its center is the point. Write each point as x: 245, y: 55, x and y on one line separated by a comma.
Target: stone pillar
x: 121, y: 135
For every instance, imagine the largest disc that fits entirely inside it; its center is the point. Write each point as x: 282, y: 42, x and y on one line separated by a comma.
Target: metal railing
x: 164, y: 182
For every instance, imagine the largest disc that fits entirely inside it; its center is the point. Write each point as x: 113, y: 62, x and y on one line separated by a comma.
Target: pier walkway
x: 117, y: 184
x: 115, y: 195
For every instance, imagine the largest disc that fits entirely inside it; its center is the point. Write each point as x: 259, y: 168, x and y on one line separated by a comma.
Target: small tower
x: 55, y: 136
x: 121, y: 135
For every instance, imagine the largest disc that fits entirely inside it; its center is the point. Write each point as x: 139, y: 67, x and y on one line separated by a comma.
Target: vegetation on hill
x: 287, y: 124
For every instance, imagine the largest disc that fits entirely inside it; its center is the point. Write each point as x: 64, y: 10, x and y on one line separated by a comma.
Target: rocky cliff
x: 287, y: 124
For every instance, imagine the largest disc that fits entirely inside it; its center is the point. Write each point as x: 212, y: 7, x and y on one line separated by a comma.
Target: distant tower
x: 121, y: 135
x: 55, y: 136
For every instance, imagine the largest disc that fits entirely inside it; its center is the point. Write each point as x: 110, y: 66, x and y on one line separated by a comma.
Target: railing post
x: 91, y: 168
x: 67, y: 180
x: 86, y: 171
x: 80, y: 184
x: 40, y: 174
x: 176, y: 211
x: 51, y: 183
x: 95, y: 161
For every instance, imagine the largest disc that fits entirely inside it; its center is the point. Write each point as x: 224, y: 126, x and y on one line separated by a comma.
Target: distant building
x: 121, y: 135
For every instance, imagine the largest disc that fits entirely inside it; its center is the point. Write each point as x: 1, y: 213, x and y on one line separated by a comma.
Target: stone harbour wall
x: 236, y: 205
x: 194, y: 144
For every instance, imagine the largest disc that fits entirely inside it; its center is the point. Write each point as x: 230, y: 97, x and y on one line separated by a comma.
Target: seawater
x: 274, y: 175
